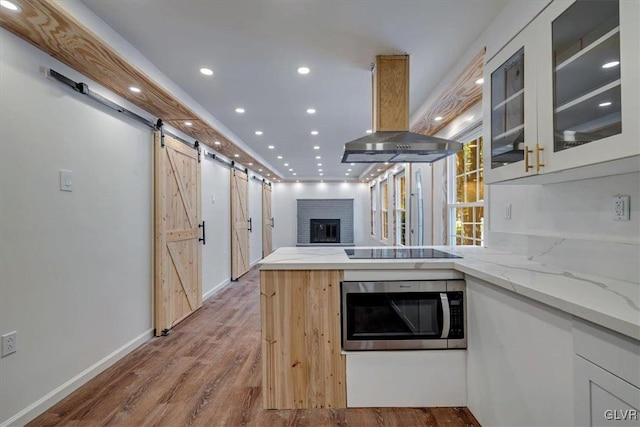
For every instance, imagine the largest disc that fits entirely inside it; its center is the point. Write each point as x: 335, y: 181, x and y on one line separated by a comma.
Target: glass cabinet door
x: 586, y: 73
x: 507, y: 111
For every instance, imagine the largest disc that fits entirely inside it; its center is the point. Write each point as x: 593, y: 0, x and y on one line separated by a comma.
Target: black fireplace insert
x: 325, y: 231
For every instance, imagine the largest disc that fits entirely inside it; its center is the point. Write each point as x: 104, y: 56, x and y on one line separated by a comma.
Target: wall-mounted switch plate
x: 66, y: 180
x: 507, y: 211
x: 9, y: 343
x: 621, y: 208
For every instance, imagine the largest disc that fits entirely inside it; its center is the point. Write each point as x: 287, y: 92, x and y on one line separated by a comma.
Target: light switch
x: 66, y: 180
x: 507, y: 211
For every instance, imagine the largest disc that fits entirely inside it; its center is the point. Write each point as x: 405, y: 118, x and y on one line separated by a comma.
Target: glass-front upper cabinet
x: 510, y: 108
x: 586, y: 73
x: 565, y: 93
x: 507, y: 111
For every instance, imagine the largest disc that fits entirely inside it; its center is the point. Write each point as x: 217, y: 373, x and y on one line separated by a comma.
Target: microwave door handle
x: 446, y: 316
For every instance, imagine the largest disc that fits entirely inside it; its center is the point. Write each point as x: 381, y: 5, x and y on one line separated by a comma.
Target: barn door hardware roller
x: 250, y: 226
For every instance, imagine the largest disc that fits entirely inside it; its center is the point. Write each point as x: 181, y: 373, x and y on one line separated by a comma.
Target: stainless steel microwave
x: 403, y: 315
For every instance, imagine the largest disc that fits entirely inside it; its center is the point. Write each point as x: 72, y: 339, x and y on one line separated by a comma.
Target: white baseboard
x: 41, y: 405
x: 215, y: 289
x: 254, y: 262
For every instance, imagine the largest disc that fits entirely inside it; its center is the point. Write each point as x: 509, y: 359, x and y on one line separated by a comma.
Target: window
x: 400, y: 208
x: 374, y: 210
x: 384, y: 209
x: 466, y: 205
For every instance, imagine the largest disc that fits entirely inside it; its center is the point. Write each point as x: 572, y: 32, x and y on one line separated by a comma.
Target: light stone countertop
x: 611, y: 303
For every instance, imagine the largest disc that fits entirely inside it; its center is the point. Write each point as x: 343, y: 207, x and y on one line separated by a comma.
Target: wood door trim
x: 181, y: 189
x: 179, y: 235
x: 184, y: 279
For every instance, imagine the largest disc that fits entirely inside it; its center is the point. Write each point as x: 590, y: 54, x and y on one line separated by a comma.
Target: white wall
x: 570, y: 224
x: 255, y: 213
x: 285, y: 208
x: 216, y: 212
x: 75, y: 268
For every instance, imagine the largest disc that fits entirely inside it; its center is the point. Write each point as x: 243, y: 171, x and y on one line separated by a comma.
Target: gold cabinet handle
x: 527, y: 166
x: 538, y: 150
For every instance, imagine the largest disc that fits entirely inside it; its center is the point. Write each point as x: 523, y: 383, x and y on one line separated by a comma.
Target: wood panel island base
x: 302, y: 363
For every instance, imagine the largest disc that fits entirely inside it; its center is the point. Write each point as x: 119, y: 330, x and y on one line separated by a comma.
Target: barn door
x: 267, y: 220
x: 178, y: 254
x: 239, y: 223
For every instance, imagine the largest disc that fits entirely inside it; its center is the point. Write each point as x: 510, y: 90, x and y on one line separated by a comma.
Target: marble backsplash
x: 607, y: 259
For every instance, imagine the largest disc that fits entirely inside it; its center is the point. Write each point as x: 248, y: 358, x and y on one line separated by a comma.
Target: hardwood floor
x: 207, y: 372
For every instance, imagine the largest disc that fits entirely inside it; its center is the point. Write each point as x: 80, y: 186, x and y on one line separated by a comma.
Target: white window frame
x: 373, y: 192
x: 384, y: 230
x: 396, y: 208
x: 452, y: 204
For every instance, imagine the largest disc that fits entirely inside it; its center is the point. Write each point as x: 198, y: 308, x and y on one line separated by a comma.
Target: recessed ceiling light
x: 279, y: 157
x: 378, y: 170
x: 437, y: 119
x: 236, y: 155
x: 134, y: 89
x: 290, y: 170
x: 319, y: 170
x: 259, y: 170
x: 611, y: 64
x: 320, y: 175
x: 353, y: 164
x: 286, y: 164
x: 250, y: 164
x: 258, y: 132
x: 318, y: 157
x: 314, y: 132
x: 347, y: 173
x: 271, y: 147
x: 206, y: 71
x: 369, y: 131
x: 294, y: 174
x: 349, y: 170
x: 10, y: 5
x: 240, y: 110
x: 311, y: 110
x: 319, y: 164
x: 316, y: 147
x: 303, y: 70
x: 217, y: 142
x: 480, y: 81
x: 604, y: 104
x: 386, y: 163
x: 268, y: 174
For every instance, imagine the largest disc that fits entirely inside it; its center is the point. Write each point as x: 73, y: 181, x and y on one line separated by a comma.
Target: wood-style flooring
x: 207, y: 372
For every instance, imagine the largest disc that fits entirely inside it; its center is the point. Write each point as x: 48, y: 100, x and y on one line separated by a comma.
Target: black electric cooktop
x: 397, y: 253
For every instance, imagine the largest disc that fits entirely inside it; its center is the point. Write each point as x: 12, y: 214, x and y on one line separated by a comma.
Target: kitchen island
x: 304, y: 365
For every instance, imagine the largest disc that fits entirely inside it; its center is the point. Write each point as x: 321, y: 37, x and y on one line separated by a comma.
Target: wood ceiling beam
x: 50, y: 28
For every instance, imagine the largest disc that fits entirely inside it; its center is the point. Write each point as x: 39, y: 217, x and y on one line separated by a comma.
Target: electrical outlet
x: 621, y: 208
x: 9, y: 343
x: 507, y: 211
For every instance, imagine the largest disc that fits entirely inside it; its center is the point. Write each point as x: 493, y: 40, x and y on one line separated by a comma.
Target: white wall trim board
x: 38, y: 407
x: 217, y: 288
x: 254, y: 262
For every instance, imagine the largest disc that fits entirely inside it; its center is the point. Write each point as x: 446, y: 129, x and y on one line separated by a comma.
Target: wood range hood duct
x: 391, y: 140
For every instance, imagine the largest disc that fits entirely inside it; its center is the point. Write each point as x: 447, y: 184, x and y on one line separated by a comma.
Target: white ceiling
x: 255, y: 48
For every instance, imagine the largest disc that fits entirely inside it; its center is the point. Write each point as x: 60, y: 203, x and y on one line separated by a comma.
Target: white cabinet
x: 606, y: 377
x: 565, y: 92
x: 519, y: 359
x: 603, y: 399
